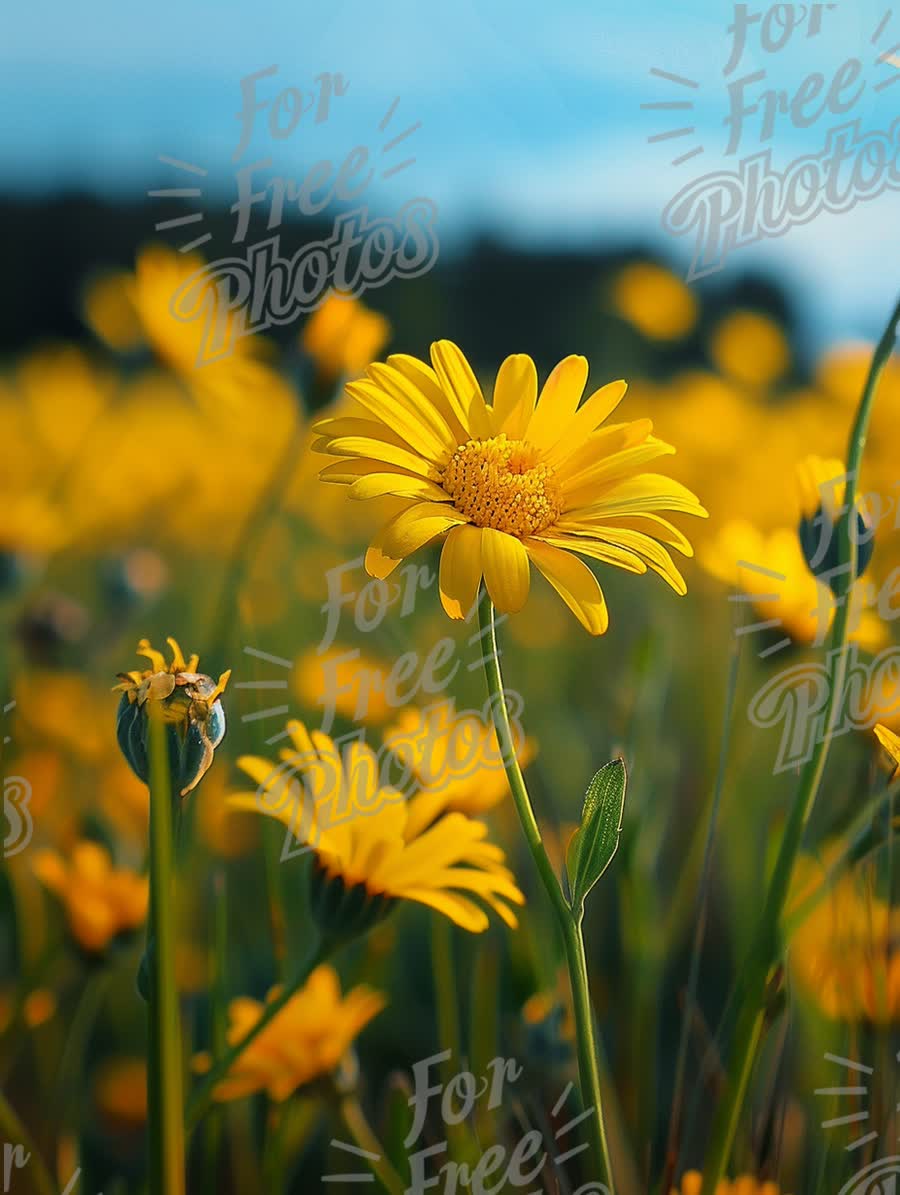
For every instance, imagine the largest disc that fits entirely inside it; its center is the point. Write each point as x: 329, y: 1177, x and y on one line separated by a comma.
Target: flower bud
x: 189, y: 705
x: 821, y: 487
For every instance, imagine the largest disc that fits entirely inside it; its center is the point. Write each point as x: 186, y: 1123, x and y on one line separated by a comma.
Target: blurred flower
x: 745, y: 1184
x: 120, y: 1093
x: 842, y: 374
x: 190, y: 707
x: 801, y: 606
x: 658, y: 303
x: 751, y: 348
x: 891, y: 744
x: 510, y: 484
x: 455, y: 759
x: 60, y: 708
x: 231, y: 370
x: 343, y: 336
x: 343, y: 680
x: 372, y: 847
x: 110, y: 310
x: 39, y: 1007
x: 842, y: 954
x: 100, y: 901
x: 306, y: 1040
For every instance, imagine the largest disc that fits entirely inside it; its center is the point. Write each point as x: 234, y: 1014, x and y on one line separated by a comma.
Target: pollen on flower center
x: 501, y: 483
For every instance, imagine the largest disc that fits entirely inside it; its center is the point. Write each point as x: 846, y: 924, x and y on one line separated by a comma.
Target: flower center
x: 500, y: 483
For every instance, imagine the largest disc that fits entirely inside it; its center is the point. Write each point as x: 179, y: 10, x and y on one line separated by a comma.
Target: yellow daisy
x: 524, y: 480
x: 370, y: 843
x: 306, y: 1040
x: 100, y: 901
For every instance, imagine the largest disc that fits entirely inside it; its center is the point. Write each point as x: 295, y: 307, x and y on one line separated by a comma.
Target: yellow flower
x: 507, y: 485
x: 745, y: 1184
x: 842, y: 954
x: 372, y: 846
x: 751, y: 348
x: 802, y: 607
x: 306, y: 1040
x: 655, y: 301
x: 100, y: 901
x: 891, y: 744
x: 145, y: 299
x: 343, y: 335
x: 455, y: 759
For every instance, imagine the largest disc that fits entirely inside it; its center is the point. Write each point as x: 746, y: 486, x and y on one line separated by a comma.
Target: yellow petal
x: 592, y: 412
x: 583, y: 487
x: 460, y: 572
x: 414, y: 527
x: 418, y: 430
x: 646, y: 492
x: 515, y: 391
x: 422, y: 380
x: 462, y: 912
x: 558, y: 402
x: 376, y: 485
x: 461, y: 387
x: 575, y: 584
x: 889, y: 741
x: 379, y: 450
x: 506, y: 573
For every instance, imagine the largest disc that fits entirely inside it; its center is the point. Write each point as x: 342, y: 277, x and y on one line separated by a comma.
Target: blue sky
x: 531, y: 118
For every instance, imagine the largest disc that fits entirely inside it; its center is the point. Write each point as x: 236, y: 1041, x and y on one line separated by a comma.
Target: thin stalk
x: 364, y: 1136
x: 201, y: 1096
x: 446, y: 987
x: 218, y: 1018
x: 750, y: 1019
x: 569, y: 919
x: 166, y: 1124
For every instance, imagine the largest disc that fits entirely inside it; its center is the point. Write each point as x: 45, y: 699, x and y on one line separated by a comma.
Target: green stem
x: 14, y: 1133
x: 165, y: 1081
x: 765, y: 950
x: 446, y: 987
x: 569, y: 919
x: 203, y: 1093
x: 364, y: 1136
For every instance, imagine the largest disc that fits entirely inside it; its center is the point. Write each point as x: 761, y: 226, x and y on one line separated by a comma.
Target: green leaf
x: 596, y: 840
